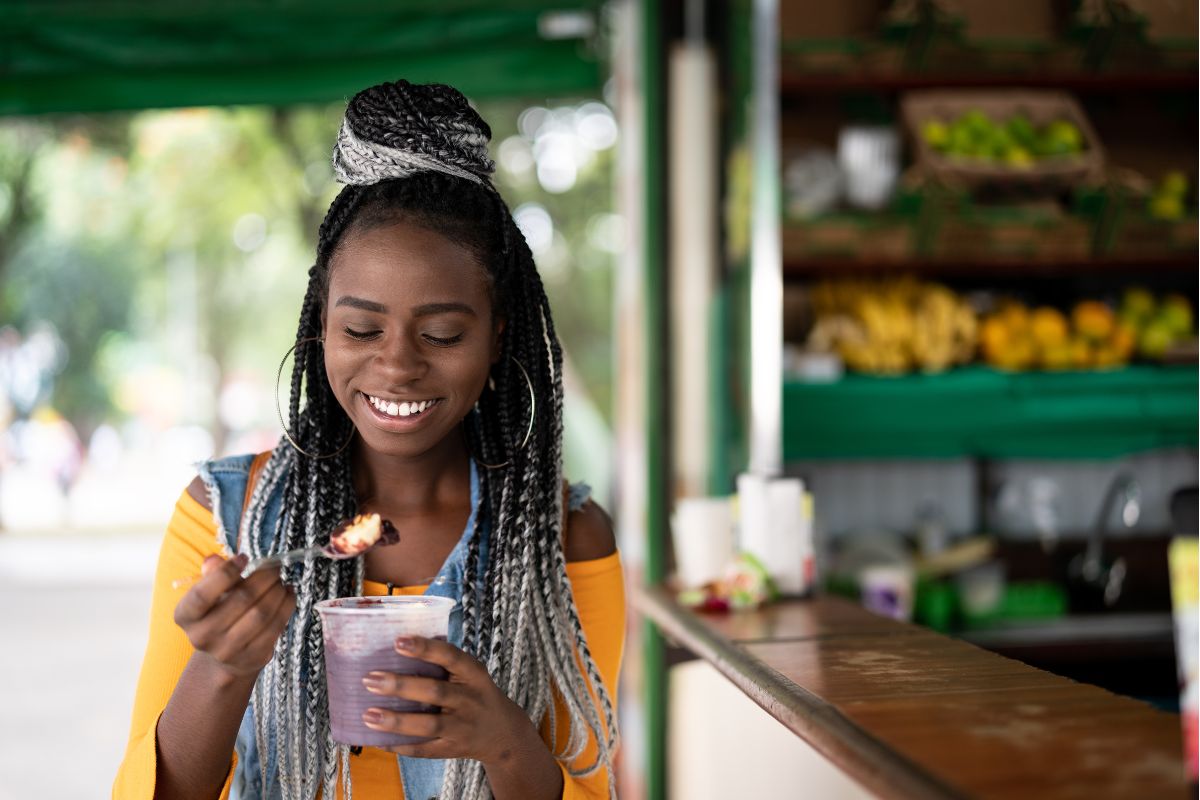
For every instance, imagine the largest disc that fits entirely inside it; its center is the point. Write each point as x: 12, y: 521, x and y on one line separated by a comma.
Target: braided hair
x: 418, y: 153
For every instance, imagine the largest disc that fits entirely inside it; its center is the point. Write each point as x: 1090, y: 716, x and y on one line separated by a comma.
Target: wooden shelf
x: 796, y: 269
x: 798, y: 84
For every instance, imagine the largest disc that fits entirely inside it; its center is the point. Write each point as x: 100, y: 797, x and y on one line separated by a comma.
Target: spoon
x: 351, y: 538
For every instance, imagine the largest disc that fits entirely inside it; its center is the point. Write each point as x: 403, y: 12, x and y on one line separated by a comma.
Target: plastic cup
x: 360, y: 637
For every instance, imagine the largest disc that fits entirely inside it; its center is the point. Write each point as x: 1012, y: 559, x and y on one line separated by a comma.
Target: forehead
x: 401, y: 264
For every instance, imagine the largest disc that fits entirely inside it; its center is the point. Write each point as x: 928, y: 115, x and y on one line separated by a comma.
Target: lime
x: 961, y: 141
x: 1155, y: 340
x: 1166, y: 206
x: 1064, y: 137
x: 1137, y: 303
x: 1174, y: 183
x: 1021, y: 130
x: 976, y: 120
x: 936, y: 134
x: 1019, y: 157
x: 1176, y: 315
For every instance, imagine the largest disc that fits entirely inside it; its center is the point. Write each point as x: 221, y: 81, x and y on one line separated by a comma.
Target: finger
x: 434, y: 748
x: 444, y: 654
x: 232, y: 606
x: 216, y: 580
x: 430, y: 691
x: 265, y: 639
x: 430, y: 726
x: 263, y: 617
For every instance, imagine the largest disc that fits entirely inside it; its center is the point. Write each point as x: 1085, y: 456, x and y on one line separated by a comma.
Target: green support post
x: 654, y: 265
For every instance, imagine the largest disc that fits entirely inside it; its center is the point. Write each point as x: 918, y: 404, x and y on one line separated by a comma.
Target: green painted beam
x: 654, y: 290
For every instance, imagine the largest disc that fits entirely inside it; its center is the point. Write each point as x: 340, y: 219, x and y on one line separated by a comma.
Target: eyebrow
x: 358, y: 302
x: 427, y: 310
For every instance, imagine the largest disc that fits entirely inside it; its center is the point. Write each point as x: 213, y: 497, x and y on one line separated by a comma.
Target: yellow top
x: 597, y: 585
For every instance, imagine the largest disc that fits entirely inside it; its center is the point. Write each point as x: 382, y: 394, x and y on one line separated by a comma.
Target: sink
x: 1128, y: 648
x: 1146, y: 588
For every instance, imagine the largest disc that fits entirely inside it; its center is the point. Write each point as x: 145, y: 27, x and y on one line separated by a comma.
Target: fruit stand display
x: 1047, y: 301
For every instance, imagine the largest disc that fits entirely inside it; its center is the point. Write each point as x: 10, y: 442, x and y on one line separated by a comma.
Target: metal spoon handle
x: 282, y: 559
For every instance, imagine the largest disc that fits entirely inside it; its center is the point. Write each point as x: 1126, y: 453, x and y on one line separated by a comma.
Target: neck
x: 404, y: 483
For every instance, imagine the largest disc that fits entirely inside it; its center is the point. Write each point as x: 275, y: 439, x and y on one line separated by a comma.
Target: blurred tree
x: 190, y: 232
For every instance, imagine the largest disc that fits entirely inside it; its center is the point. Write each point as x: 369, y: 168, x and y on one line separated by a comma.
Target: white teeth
x: 404, y: 409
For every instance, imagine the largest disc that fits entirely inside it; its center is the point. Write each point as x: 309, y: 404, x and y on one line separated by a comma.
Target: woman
x: 427, y: 387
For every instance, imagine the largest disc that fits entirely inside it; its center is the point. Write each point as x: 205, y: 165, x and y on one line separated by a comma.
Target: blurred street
x: 72, y: 643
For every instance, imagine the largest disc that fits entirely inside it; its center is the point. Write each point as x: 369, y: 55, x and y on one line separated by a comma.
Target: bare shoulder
x: 589, y: 534
x: 199, y: 492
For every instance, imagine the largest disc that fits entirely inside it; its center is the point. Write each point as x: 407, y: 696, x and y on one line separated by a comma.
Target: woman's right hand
x: 235, y: 621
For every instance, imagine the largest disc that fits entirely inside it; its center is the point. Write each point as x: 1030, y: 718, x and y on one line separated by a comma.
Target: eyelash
x: 366, y: 336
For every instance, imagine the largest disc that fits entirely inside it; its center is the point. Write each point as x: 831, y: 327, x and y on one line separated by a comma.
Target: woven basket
x: 1041, y: 107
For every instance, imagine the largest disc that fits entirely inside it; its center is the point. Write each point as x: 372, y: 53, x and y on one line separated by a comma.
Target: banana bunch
x: 893, y: 326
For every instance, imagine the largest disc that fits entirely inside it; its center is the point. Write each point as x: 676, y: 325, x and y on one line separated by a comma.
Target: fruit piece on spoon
x: 355, y: 536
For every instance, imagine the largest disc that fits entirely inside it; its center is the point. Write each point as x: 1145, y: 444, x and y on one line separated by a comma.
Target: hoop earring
x: 287, y: 435
x: 528, y: 430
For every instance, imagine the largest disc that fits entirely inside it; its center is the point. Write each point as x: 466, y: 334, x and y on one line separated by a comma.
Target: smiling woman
x: 427, y: 388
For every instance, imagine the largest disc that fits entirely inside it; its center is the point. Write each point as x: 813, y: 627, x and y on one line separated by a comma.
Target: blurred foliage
x: 187, y: 235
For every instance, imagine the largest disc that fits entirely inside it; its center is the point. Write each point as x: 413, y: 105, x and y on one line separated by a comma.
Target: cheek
x: 339, y: 365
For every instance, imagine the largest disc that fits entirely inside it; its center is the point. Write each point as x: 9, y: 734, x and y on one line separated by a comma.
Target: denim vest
x: 226, y: 480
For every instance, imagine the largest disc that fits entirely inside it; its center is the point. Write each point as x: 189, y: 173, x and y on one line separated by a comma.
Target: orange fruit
x: 1093, y: 320
x: 1048, y: 326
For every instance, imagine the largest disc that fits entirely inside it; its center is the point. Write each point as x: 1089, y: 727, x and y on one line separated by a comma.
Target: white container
x: 887, y: 590
x: 702, y: 533
x: 869, y: 157
x: 775, y: 526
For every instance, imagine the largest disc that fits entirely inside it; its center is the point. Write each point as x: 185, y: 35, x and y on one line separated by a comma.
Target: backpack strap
x: 256, y: 468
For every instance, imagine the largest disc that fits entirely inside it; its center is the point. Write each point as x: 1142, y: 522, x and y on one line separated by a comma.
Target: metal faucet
x: 1090, y: 567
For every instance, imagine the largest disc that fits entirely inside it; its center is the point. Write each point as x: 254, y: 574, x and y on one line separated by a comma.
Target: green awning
x: 109, y: 55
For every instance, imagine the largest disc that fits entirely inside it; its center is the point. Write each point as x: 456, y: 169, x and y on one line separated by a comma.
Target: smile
x: 407, y: 408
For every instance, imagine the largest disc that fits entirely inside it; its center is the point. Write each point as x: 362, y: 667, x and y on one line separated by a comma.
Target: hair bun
x: 394, y: 130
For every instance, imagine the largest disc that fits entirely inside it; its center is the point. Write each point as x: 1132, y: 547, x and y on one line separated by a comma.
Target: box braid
x: 418, y: 154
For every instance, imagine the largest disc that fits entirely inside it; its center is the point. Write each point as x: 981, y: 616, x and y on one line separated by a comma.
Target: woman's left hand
x: 478, y: 720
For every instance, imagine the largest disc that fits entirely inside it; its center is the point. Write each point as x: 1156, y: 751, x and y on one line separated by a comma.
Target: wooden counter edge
x: 872, y: 764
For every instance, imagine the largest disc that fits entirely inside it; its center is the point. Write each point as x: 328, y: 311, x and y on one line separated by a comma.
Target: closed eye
x: 361, y: 336
x: 434, y: 340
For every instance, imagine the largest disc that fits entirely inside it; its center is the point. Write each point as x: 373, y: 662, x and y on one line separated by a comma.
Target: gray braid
x: 430, y: 128
x: 419, y: 153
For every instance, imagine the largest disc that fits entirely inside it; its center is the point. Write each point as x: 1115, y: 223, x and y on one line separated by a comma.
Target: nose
x: 401, y: 360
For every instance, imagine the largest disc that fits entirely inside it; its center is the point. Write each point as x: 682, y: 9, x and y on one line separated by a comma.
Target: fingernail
x: 372, y: 716
x: 241, y: 560
x: 374, y: 681
x: 405, y: 644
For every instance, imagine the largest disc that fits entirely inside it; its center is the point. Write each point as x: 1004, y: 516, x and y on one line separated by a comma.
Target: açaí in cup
x: 360, y: 637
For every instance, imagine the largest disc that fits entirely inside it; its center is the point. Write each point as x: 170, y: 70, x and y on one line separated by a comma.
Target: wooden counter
x: 909, y: 713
